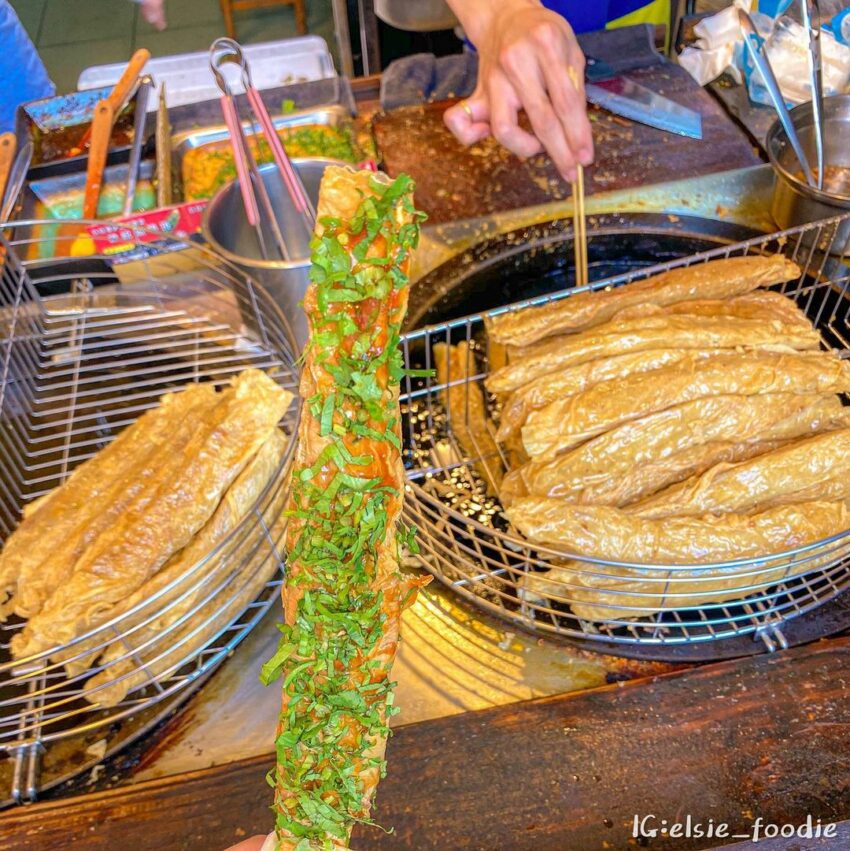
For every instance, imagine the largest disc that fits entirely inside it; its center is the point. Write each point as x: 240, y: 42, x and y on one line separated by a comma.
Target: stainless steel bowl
x: 794, y: 201
x: 227, y: 231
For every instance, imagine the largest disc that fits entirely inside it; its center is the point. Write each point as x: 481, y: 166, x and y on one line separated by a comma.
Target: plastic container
x: 188, y: 77
x: 788, y: 53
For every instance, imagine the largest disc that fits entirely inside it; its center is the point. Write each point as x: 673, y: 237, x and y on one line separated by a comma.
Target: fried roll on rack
x: 464, y: 401
x: 634, y: 456
x: 569, y: 422
x: 344, y: 590
x: 164, y: 515
x: 621, y: 336
x: 188, y: 618
x: 553, y: 386
x: 718, y: 279
x: 173, y: 598
x: 606, y: 592
x: 815, y: 468
x: 41, y: 553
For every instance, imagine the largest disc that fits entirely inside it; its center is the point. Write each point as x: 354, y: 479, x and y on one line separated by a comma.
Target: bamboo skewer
x: 579, y: 228
x: 579, y: 225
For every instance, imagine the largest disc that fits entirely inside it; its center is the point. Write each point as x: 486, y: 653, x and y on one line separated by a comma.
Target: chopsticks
x: 579, y: 228
x: 579, y: 221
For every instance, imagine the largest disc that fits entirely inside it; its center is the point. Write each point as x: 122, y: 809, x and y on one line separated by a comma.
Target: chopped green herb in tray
x: 207, y: 168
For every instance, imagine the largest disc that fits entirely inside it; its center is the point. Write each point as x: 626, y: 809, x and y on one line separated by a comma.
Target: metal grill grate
x: 77, y: 367
x: 467, y: 543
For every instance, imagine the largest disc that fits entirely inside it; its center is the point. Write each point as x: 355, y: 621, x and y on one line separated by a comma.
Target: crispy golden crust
x: 655, y: 439
x: 621, y: 336
x: 566, y: 423
x: 715, y: 280
x: 813, y: 468
x: 41, y: 553
x: 467, y: 410
x: 340, y: 197
x: 164, y: 516
x: 183, y: 597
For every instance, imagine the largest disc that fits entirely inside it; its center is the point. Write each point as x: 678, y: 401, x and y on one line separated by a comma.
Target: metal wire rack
x: 466, y: 541
x: 86, y: 347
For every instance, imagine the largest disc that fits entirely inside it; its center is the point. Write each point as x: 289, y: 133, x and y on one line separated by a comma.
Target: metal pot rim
x: 777, y: 134
x: 253, y: 262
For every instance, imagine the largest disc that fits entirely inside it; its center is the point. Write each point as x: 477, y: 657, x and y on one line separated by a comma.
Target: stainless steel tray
x: 187, y: 140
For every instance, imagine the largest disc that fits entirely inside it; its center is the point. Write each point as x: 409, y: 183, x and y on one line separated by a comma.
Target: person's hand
x: 528, y: 59
x: 153, y: 11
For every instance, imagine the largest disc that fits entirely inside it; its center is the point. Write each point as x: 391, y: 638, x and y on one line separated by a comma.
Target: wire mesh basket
x: 87, y: 347
x: 468, y: 543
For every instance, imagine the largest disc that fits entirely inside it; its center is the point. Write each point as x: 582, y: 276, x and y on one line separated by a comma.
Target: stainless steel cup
x: 227, y: 231
x: 794, y: 201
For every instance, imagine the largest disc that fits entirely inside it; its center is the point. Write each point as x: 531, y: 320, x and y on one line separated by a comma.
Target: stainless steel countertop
x: 452, y: 658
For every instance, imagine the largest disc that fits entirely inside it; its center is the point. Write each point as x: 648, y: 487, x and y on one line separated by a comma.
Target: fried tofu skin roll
x: 464, y: 400
x: 344, y: 591
x: 623, y: 336
x: 41, y: 553
x: 814, y: 468
x: 628, y: 459
x: 164, y: 515
x: 606, y: 592
x: 719, y: 279
x: 569, y: 422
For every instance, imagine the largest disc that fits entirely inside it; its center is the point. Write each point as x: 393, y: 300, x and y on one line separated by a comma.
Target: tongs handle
x: 761, y: 62
x: 237, y: 140
x: 17, y: 178
x: 810, y: 14
x: 290, y: 177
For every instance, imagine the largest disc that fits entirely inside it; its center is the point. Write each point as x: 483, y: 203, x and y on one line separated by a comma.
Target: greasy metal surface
x: 452, y: 659
x: 738, y: 197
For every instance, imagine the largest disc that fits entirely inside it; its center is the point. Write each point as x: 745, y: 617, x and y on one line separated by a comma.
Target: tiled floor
x: 72, y: 35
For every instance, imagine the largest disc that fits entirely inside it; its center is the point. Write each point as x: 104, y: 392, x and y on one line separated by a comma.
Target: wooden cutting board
x: 453, y: 182
x: 764, y: 736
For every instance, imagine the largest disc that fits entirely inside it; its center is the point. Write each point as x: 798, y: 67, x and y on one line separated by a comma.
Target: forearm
x: 476, y: 16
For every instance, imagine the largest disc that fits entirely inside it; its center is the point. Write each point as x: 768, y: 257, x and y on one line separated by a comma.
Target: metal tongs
x: 810, y: 14
x: 760, y: 60
x: 226, y: 50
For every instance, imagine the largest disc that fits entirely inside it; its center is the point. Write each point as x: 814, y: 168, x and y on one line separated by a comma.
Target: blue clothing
x: 589, y: 15
x: 21, y: 70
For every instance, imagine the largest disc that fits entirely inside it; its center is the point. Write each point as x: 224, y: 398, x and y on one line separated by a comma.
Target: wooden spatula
x: 121, y: 91
x: 101, y: 127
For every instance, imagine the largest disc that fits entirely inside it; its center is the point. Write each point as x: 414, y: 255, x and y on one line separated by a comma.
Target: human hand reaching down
x: 529, y: 59
x: 153, y: 11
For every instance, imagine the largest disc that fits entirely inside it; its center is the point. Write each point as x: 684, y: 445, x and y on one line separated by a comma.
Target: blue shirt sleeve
x: 21, y: 69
